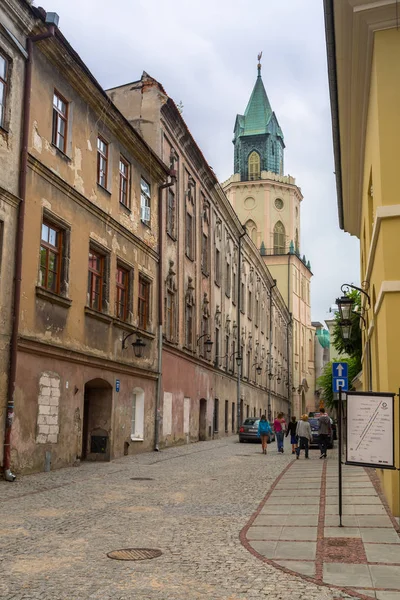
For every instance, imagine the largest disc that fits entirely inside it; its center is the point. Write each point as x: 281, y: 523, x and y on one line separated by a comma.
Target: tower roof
x: 258, y: 111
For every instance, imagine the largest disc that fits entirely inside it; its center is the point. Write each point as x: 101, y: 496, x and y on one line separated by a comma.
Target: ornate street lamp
x: 208, y: 344
x: 138, y: 345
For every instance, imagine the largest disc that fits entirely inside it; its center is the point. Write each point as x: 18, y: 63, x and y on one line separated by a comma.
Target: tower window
x: 279, y: 238
x: 254, y: 166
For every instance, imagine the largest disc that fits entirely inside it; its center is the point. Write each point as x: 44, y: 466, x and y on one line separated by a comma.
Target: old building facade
x: 212, y: 289
x: 269, y: 204
x: 89, y: 269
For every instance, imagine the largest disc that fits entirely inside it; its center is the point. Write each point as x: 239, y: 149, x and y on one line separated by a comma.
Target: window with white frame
x: 137, y: 417
x: 145, y: 198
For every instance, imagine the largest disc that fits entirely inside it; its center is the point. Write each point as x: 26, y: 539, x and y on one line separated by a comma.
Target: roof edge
x: 333, y: 94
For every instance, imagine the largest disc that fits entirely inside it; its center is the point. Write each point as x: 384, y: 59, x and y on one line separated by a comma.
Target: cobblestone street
x: 57, y: 528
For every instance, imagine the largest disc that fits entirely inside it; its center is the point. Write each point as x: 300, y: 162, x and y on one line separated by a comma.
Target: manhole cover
x: 134, y: 554
x: 337, y: 543
x: 142, y: 479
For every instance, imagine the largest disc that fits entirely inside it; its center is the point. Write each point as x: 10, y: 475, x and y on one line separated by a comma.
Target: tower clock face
x: 279, y: 203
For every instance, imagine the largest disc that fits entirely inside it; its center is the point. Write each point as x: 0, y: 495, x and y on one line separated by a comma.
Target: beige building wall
x: 80, y: 395
x: 261, y: 205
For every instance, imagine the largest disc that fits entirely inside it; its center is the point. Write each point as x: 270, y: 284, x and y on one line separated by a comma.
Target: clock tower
x: 268, y: 202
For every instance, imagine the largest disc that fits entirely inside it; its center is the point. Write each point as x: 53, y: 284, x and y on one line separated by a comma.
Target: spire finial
x: 259, y: 63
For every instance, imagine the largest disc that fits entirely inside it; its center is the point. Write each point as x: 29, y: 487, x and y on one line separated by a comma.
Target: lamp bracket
x: 346, y: 287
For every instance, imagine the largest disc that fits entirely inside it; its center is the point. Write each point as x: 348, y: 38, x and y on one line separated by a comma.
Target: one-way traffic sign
x: 340, y: 377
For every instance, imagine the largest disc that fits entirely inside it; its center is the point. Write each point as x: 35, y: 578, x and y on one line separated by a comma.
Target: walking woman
x: 303, y: 430
x: 279, y: 428
x: 292, y: 431
x: 264, y: 430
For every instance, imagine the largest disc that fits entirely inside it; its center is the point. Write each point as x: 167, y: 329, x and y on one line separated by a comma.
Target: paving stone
x: 385, y: 577
x: 384, y: 553
x: 299, y: 533
x: 387, y: 536
x: 345, y: 574
x: 264, y: 533
x: 303, y: 567
x: 342, y: 532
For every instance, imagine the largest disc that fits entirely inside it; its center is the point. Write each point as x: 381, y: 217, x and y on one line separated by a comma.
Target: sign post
x: 340, y: 383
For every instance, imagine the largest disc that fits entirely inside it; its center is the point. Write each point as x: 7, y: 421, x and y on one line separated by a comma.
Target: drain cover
x: 142, y: 479
x: 134, y: 554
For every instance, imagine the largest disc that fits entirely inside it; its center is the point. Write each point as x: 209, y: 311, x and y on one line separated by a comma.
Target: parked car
x: 248, y: 431
x: 315, y: 433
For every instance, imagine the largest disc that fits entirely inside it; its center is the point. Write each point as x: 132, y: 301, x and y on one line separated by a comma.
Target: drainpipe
x: 270, y: 349
x: 160, y: 307
x: 8, y: 475
x: 239, y: 366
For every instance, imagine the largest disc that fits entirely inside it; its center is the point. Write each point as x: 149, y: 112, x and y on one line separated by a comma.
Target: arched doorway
x: 203, y: 420
x: 96, y: 426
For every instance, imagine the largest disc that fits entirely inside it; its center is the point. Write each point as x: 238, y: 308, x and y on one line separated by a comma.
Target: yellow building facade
x: 363, y: 44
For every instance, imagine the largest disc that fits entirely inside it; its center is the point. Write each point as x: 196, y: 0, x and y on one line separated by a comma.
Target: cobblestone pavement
x: 56, y: 528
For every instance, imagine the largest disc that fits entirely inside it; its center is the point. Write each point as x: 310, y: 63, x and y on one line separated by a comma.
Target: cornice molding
x: 9, y: 198
x: 54, y: 179
x: 34, y: 346
x: 387, y: 287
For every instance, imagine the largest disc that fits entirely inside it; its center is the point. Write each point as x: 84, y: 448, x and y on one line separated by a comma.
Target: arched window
x: 279, y: 238
x: 251, y: 228
x: 254, y: 166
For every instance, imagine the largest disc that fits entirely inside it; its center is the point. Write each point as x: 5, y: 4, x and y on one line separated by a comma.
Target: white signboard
x: 370, y: 439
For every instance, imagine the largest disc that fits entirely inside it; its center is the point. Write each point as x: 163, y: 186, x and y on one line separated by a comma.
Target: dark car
x: 248, y: 431
x: 315, y: 433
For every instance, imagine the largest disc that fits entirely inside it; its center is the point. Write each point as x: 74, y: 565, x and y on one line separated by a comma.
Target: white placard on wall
x: 370, y: 439
x: 186, y: 415
x: 167, y: 414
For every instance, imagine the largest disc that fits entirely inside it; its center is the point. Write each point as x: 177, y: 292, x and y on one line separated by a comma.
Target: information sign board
x: 370, y: 429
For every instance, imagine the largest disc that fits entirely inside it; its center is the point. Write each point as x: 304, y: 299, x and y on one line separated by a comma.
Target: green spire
x: 258, y: 111
x: 258, y: 132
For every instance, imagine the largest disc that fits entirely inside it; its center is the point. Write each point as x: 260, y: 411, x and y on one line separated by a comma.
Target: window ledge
x: 172, y: 236
x: 61, y: 154
x: 146, y: 223
x: 189, y: 257
x: 53, y: 297
x: 124, y: 207
x: 103, y: 189
x: 91, y: 312
x: 136, y: 439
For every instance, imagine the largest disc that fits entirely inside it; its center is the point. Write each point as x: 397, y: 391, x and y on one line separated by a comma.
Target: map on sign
x: 370, y: 429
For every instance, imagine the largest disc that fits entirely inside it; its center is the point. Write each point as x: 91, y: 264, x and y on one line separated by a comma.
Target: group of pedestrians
x: 299, y: 431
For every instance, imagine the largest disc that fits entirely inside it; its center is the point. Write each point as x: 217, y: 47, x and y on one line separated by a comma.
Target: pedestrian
x: 325, y: 432
x: 303, y: 430
x: 279, y: 428
x: 292, y: 431
x: 264, y: 431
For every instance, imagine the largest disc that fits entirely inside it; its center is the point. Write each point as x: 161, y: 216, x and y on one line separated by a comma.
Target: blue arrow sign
x: 340, y: 369
x: 340, y: 376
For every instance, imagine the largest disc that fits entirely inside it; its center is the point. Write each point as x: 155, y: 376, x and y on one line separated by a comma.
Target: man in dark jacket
x: 324, y: 428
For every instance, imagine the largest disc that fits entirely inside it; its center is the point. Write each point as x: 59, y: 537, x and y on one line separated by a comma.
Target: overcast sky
x: 204, y: 52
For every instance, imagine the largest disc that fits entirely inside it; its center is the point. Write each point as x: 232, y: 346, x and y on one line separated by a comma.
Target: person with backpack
x: 264, y: 430
x: 303, y: 430
x: 292, y: 431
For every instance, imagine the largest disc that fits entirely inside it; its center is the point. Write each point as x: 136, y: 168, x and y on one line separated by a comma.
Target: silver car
x: 248, y: 432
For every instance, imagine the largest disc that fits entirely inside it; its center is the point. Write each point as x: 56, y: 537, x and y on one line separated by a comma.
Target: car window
x: 250, y: 422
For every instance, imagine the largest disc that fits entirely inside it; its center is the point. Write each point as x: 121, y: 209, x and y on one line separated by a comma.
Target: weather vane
x: 259, y: 63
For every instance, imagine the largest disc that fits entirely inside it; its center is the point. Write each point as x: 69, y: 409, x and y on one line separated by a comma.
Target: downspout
x: 239, y: 364
x: 160, y: 308
x: 270, y: 349
x: 8, y: 475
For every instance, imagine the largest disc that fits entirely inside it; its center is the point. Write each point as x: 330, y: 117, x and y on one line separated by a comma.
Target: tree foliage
x: 326, y: 384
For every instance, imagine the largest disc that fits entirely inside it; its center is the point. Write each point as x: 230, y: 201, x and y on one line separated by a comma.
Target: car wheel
x: 241, y: 441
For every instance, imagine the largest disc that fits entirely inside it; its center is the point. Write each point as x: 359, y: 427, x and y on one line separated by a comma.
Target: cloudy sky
x: 204, y: 52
